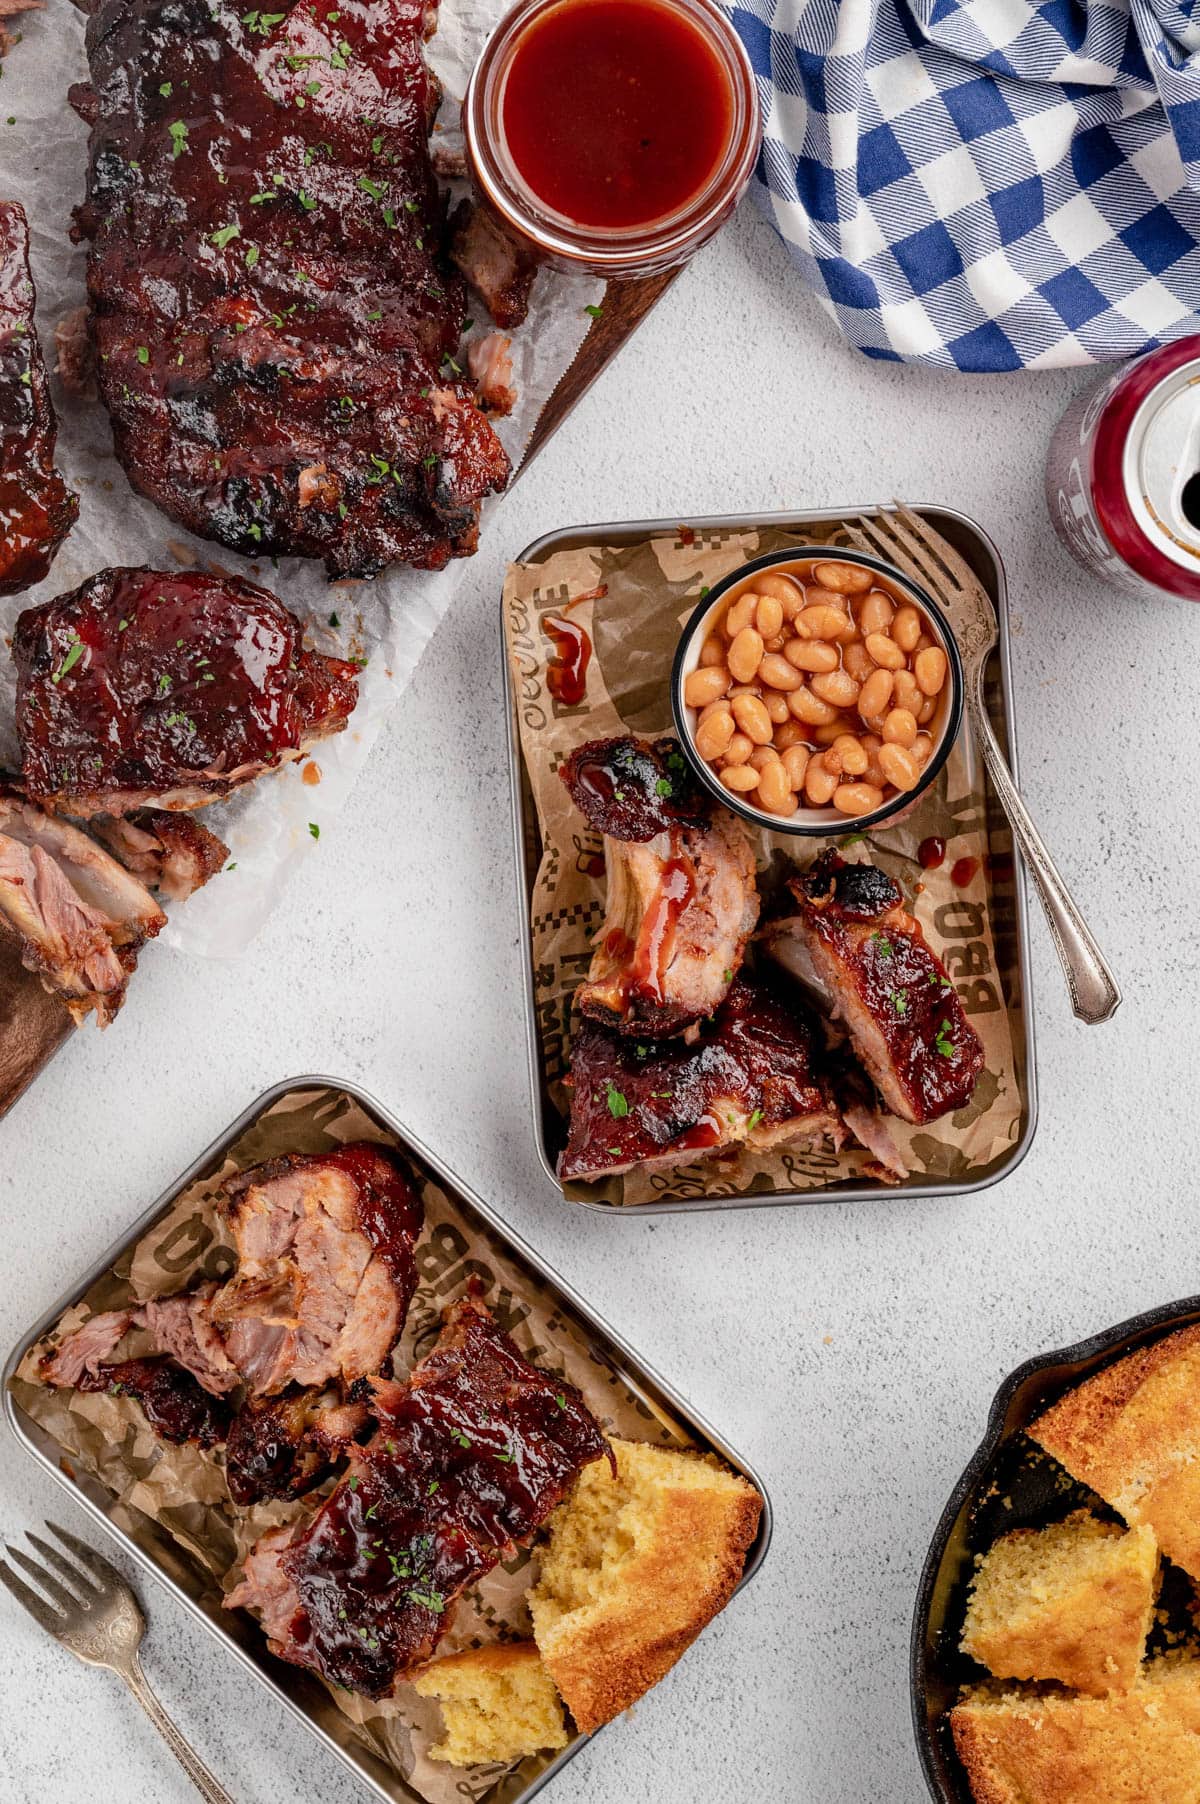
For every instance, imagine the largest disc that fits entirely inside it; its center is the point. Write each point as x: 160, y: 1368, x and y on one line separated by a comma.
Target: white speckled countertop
x: 849, y: 1351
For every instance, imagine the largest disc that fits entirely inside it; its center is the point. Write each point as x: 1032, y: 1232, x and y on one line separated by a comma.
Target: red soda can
x: 1123, y: 474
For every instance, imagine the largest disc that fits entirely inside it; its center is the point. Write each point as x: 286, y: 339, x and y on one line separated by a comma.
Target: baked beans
x: 815, y: 687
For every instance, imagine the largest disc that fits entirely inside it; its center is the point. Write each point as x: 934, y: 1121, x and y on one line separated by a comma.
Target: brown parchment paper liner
x: 632, y: 602
x: 183, y: 1489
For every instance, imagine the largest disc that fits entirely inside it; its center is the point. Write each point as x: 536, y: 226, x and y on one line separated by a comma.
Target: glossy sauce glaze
x: 175, y: 1406
x: 566, y: 671
x: 616, y: 113
x: 656, y: 942
x: 931, y: 853
x: 631, y: 789
x: 471, y: 1456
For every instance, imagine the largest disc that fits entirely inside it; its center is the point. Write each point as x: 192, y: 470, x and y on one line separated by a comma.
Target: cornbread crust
x: 1132, y: 1432
x: 498, y: 1704
x: 1072, y: 1602
x: 1136, y: 1747
x: 634, y: 1568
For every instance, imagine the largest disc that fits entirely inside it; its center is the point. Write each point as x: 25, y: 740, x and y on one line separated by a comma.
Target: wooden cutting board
x: 34, y: 1024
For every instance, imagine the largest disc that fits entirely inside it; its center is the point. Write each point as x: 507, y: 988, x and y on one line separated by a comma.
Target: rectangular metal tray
x: 157, y: 1554
x: 1010, y: 926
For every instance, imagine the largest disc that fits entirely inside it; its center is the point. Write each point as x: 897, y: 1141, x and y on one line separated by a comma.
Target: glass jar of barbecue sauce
x: 612, y: 137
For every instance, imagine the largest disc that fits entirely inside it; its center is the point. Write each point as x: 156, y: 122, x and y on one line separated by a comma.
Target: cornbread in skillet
x: 1140, y: 1746
x: 498, y: 1704
x: 1132, y: 1432
x: 1071, y: 1602
x: 634, y: 1568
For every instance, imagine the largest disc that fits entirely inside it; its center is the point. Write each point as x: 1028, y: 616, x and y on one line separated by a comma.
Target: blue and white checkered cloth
x: 986, y: 184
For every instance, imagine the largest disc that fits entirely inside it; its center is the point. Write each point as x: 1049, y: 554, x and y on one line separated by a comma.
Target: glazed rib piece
x: 855, y: 944
x: 682, y: 899
x: 37, y: 510
x: 325, y: 1274
x: 144, y: 687
x: 750, y: 1077
x: 80, y: 917
x: 277, y: 321
x: 470, y: 1457
x: 176, y: 1407
x: 172, y: 854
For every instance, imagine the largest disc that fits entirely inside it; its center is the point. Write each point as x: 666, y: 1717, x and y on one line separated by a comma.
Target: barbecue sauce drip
x: 931, y: 853
x: 657, y: 942
x: 962, y: 871
x: 616, y: 113
x: 566, y: 673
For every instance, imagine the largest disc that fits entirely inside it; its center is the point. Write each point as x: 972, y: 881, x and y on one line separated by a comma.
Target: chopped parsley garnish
x: 178, y: 131
x: 429, y: 461
x: 885, y: 945
x: 306, y: 201
x: 353, y: 1482
x: 255, y: 530
x: 314, y: 829
x: 617, y: 1105
x: 430, y: 1600
x: 371, y: 188
x: 560, y: 1400
x: 143, y: 354
x: 224, y: 235
x: 378, y: 314
x: 334, y: 621
x: 456, y: 1434
x: 664, y: 787
x: 851, y: 839
x: 944, y: 1043
x: 506, y: 1458
x: 754, y: 1121
x: 900, y: 1001
x: 263, y: 23
x: 164, y: 684
x: 74, y: 653
x: 251, y: 255
x: 594, y: 311
x: 164, y: 89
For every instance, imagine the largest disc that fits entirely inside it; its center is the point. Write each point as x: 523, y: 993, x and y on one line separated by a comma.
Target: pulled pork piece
x: 37, y: 510
x: 172, y: 854
x: 857, y: 947
x: 142, y: 686
x: 490, y: 362
x: 470, y: 1458
x: 80, y: 917
x: 682, y: 899
x: 175, y: 1405
x: 326, y: 1271
x: 499, y: 270
x: 749, y: 1077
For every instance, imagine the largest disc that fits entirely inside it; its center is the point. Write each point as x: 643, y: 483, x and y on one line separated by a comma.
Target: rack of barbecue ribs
x: 469, y: 1458
x: 682, y: 900
x: 145, y: 688
x: 751, y: 1076
x: 37, y: 510
x: 853, y: 943
x: 78, y: 916
x: 317, y: 1301
x: 277, y: 318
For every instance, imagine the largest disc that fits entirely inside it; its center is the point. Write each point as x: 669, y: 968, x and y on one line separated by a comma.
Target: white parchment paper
x: 43, y: 164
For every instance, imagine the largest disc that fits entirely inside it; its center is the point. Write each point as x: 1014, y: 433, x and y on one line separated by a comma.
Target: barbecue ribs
x: 470, y: 1457
x: 277, y: 320
x: 37, y: 510
x: 325, y: 1274
x: 681, y: 900
x: 854, y: 943
x: 80, y: 917
x: 172, y: 854
x: 142, y: 687
x: 750, y: 1077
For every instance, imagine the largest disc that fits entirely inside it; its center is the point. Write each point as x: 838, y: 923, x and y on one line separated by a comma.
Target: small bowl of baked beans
x: 816, y: 689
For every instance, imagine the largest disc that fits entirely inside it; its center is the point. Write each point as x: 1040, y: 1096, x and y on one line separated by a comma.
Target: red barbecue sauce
x: 962, y: 871
x: 616, y: 113
x: 931, y: 853
x: 657, y: 939
x: 566, y: 673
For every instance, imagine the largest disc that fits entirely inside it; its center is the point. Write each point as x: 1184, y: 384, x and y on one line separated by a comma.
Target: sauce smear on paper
x: 616, y: 113
x: 566, y: 673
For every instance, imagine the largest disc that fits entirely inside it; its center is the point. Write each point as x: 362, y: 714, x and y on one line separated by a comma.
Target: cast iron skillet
x: 1009, y: 1484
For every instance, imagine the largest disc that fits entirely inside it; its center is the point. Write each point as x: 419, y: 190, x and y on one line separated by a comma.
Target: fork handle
x: 210, y: 1789
x: 1094, y: 993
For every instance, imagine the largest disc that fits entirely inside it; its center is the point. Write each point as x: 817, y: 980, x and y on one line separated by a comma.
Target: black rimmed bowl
x: 807, y: 822
x: 1010, y: 1483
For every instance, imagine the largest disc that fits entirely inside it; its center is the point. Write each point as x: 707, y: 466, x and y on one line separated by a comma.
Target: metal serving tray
x: 1010, y: 1484
x: 195, y: 1589
x: 1010, y: 922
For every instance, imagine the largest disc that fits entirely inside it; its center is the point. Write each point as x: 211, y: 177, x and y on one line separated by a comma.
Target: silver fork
x: 909, y: 542
x: 97, y: 1617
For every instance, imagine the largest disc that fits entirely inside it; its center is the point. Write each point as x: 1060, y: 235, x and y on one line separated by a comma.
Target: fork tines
x: 75, y: 1598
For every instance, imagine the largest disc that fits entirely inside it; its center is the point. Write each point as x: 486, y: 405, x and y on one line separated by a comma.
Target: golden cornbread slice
x: 498, y: 1704
x: 635, y: 1567
x: 1140, y: 1746
x: 1132, y: 1432
x: 1071, y: 1602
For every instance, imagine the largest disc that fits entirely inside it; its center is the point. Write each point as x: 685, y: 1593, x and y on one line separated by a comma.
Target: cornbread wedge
x: 1141, y: 1746
x: 1071, y: 1602
x: 635, y: 1567
x: 498, y: 1704
x: 1132, y: 1432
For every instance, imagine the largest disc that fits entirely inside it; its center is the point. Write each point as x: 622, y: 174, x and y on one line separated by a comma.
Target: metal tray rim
x: 774, y: 1198
x: 1105, y: 1340
x: 512, y: 1238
